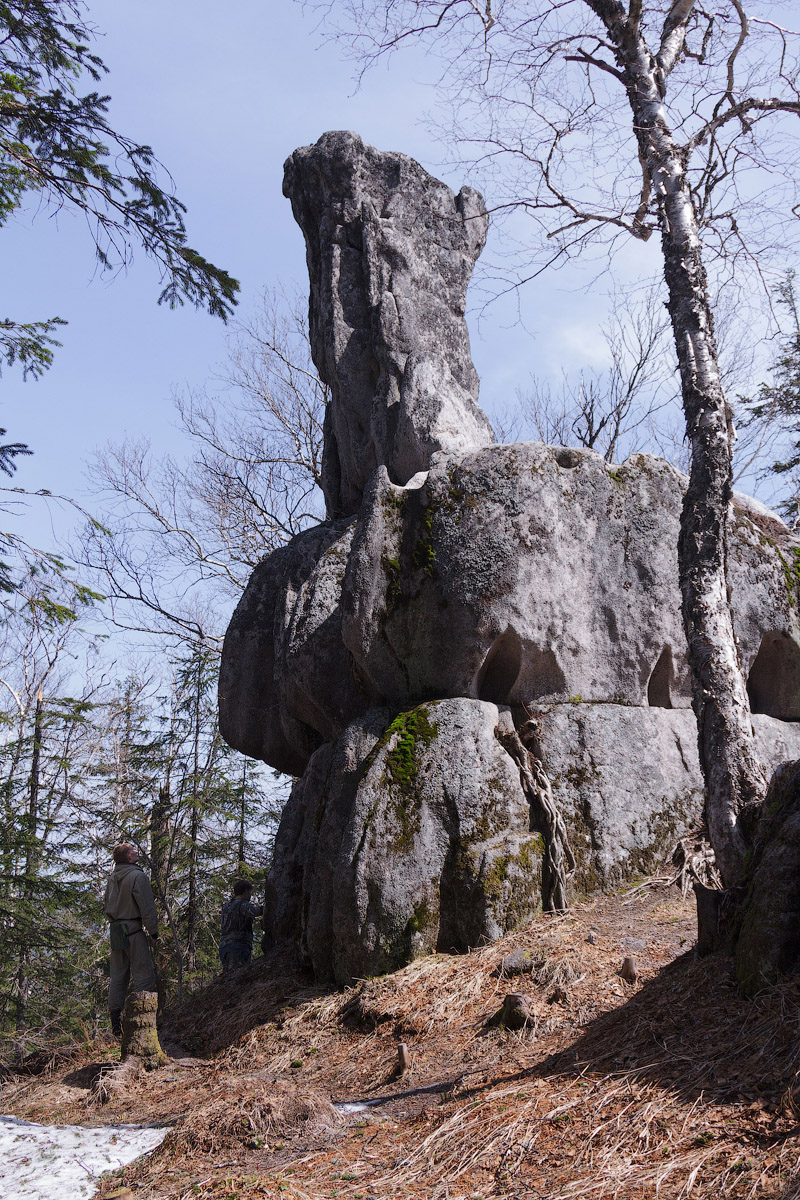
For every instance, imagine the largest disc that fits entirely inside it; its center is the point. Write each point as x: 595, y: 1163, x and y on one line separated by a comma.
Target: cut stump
x: 628, y: 970
x: 515, y: 1013
x: 139, y: 1033
x: 403, y: 1059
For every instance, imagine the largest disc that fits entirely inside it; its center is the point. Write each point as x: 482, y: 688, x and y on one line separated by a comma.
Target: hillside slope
x: 671, y: 1086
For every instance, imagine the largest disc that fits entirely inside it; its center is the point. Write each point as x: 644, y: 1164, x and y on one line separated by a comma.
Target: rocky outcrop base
x: 405, y: 836
x: 768, y: 943
x: 476, y: 665
x: 415, y: 833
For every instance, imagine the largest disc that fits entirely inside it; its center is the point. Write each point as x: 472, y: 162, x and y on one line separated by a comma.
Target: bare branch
x: 740, y: 110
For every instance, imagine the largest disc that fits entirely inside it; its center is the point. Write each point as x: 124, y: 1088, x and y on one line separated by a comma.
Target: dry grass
x: 116, y: 1081
x: 673, y: 1087
x: 244, y: 1112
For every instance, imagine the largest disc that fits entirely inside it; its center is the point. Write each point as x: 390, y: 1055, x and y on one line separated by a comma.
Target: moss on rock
x: 412, y: 729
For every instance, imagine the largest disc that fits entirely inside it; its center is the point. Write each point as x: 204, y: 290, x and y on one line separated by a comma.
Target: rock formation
x: 476, y: 665
x: 390, y: 252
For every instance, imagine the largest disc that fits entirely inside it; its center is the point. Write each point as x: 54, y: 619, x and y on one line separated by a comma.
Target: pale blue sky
x: 224, y: 94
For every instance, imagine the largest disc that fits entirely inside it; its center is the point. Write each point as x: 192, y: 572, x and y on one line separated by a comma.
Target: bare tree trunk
x: 733, y: 776
x: 194, y: 824
x: 22, y: 982
x: 159, y: 870
x: 242, y: 812
x: 33, y: 792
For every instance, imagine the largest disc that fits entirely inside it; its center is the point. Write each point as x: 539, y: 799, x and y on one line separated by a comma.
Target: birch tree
x: 602, y: 120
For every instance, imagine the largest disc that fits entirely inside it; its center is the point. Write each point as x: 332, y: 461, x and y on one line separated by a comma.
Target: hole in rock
x: 774, y: 681
x: 566, y: 457
x: 661, y: 681
x: 540, y: 675
x: 500, y: 669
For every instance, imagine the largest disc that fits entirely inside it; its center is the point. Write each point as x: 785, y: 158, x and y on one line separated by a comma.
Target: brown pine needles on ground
x: 671, y: 1087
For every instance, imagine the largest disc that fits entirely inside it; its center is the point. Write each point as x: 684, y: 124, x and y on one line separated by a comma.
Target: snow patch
x: 38, y: 1162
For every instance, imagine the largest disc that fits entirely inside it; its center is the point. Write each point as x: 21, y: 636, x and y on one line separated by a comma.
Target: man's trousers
x: 133, y: 966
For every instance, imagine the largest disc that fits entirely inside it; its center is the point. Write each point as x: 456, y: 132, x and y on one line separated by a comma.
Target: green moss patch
x: 791, y: 573
x: 411, y: 728
x: 423, y: 556
x: 414, y: 732
x: 512, y: 883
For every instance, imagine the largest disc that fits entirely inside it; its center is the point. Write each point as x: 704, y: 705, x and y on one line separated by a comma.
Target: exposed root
x: 695, y: 861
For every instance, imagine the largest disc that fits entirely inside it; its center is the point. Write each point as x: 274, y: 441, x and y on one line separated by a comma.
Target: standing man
x: 130, y: 907
x: 236, y: 943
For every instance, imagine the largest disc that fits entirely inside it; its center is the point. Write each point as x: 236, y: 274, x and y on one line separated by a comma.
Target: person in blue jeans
x: 236, y: 943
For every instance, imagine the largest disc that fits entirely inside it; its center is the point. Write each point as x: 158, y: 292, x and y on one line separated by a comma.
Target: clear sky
x: 224, y: 94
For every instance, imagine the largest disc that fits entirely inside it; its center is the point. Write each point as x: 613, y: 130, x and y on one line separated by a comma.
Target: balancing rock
x: 390, y: 252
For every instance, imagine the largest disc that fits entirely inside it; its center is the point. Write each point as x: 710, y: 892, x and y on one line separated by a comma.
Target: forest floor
x: 671, y: 1086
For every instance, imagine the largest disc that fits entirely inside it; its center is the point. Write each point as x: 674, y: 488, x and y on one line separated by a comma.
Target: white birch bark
x: 734, y: 778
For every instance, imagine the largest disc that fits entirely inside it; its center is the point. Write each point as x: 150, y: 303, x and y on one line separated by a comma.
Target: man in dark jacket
x: 236, y: 943
x: 130, y: 907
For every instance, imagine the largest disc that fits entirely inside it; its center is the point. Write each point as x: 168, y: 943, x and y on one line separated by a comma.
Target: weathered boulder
x: 405, y: 836
x: 530, y: 573
x: 390, y: 252
x: 522, y: 574
x: 768, y: 943
x: 627, y: 781
x: 285, y: 682
x: 518, y: 962
x: 413, y: 832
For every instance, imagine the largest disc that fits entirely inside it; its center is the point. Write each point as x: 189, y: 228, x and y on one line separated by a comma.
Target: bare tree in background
x: 618, y: 410
x: 175, y: 537
x: 633, y: 404
x: 601, y: 120
x: 772, y: 419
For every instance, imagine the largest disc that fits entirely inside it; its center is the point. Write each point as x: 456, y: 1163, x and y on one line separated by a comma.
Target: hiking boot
x: 116, y: 1022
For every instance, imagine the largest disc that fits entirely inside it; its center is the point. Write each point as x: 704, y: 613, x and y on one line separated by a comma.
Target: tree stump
x: 403, y: 1059
x: 139, y: 1033
x: 515, y: 1013
x: 628, y: 970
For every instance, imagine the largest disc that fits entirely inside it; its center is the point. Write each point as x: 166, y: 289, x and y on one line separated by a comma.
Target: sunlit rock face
x: 476, y: 586
x: 390, y: 252
x: 408, y: 834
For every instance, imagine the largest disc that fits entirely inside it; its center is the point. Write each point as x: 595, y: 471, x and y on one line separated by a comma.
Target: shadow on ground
x: 687, y: 1029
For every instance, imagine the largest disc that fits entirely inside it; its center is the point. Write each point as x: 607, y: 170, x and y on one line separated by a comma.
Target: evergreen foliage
x: 776, y: 407
x: 8, y: 452
x: 57, y: 149
x: 140, y: 760
x: 56, y: 144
